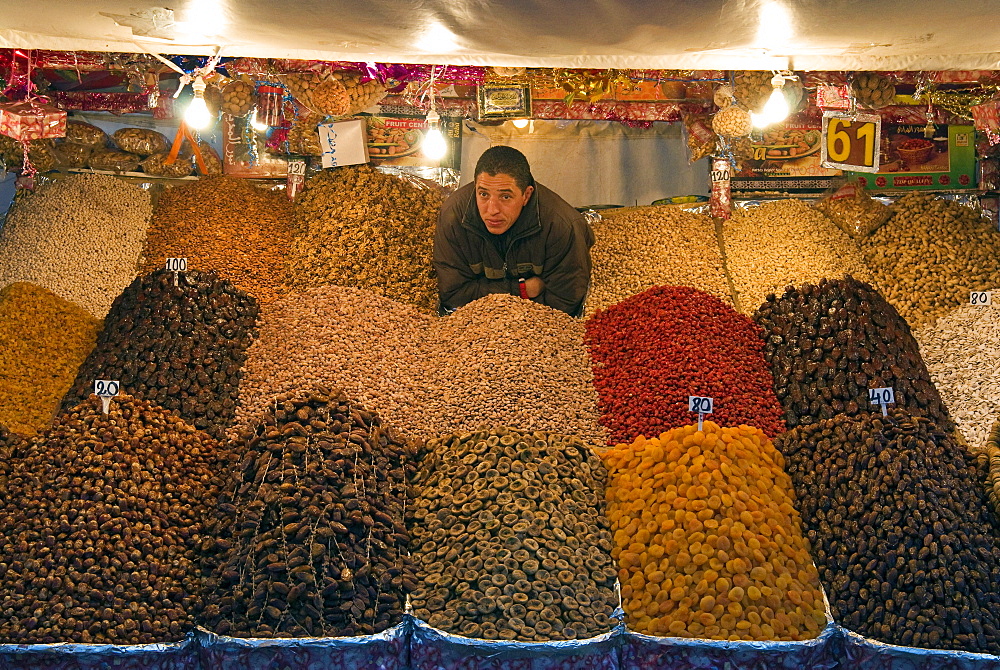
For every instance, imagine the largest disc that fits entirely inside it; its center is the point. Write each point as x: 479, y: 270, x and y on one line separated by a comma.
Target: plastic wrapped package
x: 116, y: 161
x: 72, y: 656
x: 40, y: 153
x: 157, y: 166
x: 210, y: 157
x: 853, y: 210
x: 73, y: 154
x: 699, y: 136
x: 79, y: 132
x: 141, y: 141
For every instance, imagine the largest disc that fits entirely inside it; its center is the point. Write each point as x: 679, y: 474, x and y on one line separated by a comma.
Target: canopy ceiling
x: 661, y: 34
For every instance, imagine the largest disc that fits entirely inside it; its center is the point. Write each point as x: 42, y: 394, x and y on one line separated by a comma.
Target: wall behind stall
x: 596, y: 162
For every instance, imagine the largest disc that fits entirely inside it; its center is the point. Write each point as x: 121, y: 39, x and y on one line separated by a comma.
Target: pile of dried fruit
x: 829, y: 343
x: 181, y: 347
x: 498, y: 360
x: 10, y: 444
x: 785, y: 242
x: 655, y: 349
x: 930, y: 255
x: 653, y: 246
x: 313, y: 543
x: 227, y: 226
x: 900, y: 529
x: 43, y: 341
x: 360, y: 227
x: 509, y: 538
x: 80, y: 237
x: 962, y: 352
x: 989, y: 458
x: 101, y: 526
x: 707, y: 540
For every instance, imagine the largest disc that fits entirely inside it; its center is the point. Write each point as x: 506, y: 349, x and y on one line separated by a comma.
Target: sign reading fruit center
x: 851, y: 142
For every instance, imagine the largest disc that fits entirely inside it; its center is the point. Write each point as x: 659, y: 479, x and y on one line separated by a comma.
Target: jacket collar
x: 527, y: 222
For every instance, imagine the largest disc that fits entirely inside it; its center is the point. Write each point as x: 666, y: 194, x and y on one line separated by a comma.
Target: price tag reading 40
x: 851, y: 142
x: 882, y: 396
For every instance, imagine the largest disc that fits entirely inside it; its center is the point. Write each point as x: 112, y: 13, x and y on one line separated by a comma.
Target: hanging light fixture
x: 434, y: 145
x: 520, y: 123
x: 197, y: 115
x: 776, y: 108
x: 256, y: 123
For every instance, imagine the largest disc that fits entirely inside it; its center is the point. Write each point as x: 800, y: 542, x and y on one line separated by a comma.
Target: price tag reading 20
x: 851, y: 142
x: 106, y: 389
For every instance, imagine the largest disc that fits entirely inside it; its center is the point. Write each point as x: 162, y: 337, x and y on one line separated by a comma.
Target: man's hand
x: 534, y: 286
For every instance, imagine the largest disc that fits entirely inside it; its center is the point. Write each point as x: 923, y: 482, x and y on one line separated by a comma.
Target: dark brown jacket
x: 550, y: 239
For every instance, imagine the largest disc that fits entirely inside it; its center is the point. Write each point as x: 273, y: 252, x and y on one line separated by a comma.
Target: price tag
x: 851, y: 142
x: 296, y: 177
x: 177, y: 264
x: 981, y: 298
x: 106, y: 389
x: 882, y: 396
x: 702, y: 405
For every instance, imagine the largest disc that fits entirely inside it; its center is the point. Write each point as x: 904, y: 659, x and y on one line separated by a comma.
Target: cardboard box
x: 343, y: 143
x: 31, y: 120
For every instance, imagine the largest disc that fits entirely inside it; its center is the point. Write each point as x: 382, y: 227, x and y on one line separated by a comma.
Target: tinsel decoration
x: 960, y: 103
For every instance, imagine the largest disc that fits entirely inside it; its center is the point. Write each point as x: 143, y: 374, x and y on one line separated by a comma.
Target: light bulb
x: 197, y: 115
x: 520, y: 123
x: 434, y: 145
x: 259, y: 126
x: 776, y: 107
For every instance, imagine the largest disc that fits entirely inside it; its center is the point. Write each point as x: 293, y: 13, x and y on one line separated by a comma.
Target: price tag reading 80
x: 177, y: 264
x: 700, y: 404
x: 106, y: 388
x: 984, y: 298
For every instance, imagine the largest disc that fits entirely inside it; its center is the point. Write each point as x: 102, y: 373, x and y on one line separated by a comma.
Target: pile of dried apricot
x: 707, y: 540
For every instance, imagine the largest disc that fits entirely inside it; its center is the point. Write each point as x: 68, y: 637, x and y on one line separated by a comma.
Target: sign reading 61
x: 851, y: 142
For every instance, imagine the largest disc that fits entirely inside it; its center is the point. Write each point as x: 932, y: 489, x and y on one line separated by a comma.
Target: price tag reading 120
x: 851, y: 142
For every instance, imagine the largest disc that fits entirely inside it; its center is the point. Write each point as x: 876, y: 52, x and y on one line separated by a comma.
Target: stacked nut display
x: 650, y: 246
x: 313, y: 540
x: 101, y: 527
x: 509, y: 537
x: 43, y: 341
x: 224, y: 225
x: 829, y: 343
x: 901, y: 530
x: 360, y: 227
x: 930, y: 255
x: 179, y: 345
x: 962, y: 352
x: 707, y: 540
x: 238, y: 97
x: 79, y: 236
x: 785, y: 242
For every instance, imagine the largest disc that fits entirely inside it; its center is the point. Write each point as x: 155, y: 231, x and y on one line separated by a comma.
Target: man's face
x: 500, y: 201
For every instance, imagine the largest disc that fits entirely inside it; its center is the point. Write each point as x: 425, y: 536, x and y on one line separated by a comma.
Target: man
x: 504, y: 233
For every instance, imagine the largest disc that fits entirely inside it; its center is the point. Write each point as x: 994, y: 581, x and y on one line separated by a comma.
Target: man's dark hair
x: 505, y: 160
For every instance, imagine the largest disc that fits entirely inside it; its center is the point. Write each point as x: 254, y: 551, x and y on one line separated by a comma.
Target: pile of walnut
x: 360, y: 227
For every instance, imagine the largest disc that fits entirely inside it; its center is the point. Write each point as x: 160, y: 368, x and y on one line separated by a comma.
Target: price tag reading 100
x: 851, y: 142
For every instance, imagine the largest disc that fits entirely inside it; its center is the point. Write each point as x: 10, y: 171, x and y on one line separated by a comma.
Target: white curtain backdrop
x: 596, y: 162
